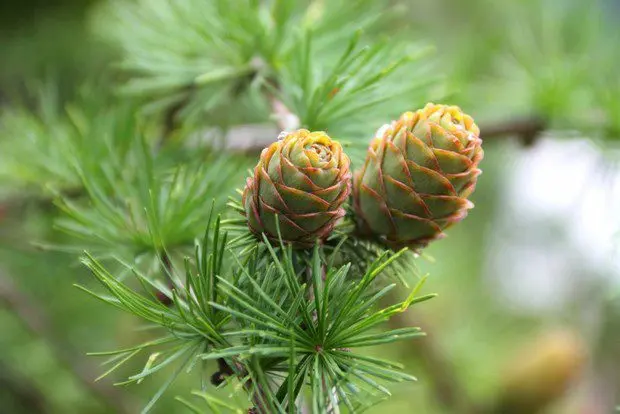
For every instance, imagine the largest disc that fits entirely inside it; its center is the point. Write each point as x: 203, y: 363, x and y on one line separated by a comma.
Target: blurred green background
x: 528, y: 299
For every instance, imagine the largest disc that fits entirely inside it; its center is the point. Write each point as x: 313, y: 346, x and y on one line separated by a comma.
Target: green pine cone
x: 303, y: 180
x: 418, y: 175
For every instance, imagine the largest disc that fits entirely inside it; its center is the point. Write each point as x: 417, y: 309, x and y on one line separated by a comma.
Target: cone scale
x: 419, y: 172
x: 299, y: 186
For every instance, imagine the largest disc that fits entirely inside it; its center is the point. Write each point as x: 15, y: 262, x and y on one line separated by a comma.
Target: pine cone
x: 417, y: 176
x: 541, y: 372
x: 303, y: 179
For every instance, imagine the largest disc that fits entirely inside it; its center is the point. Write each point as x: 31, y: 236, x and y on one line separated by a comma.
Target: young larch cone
x: 541, y: 372
x: 303, y: 180
x: 417, y: 176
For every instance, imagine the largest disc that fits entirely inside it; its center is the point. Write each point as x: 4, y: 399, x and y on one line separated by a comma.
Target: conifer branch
x: 441, y: 372
x: 527, y: 130
x: 170, y: 121
x: 43, y: 201
x: 224, y: 368
x: 284, y: 322
x: 284, y: 118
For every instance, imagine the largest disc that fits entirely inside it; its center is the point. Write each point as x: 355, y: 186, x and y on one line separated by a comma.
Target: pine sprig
x: 38, y: 145
x: 547, y: 64
x: 136, y: 204
x: 210, y: 45
x: 42, y: 139
x: 281, y: 319
x: 364, y: 88
x: 276, y: 48
x: 190, y: 325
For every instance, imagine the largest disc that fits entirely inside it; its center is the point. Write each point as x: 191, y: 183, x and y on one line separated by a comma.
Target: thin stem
x: 23, y: 391
x: 285, y: 119
x: 331, y: 408
x: 44, y: 201
x: 170, y: 117
x: 446, y: 387
x: 224, y: 368
x: 528, y: 130
x: 254, y: 390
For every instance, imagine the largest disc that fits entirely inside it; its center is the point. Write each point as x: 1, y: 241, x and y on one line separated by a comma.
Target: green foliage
x: 310, y: 327
x: 214, y: 404
x: 118, y: 194
x: 49, y: 146
x: 283, y: 321
x: 191, y: 325
x: 605, y: 121
x: 138, y: 204
x: 34, y: 145
x: 363, y: 88
x: 552, y: 60
x: 547, y: 55
x: 134, y: 186
x: 216, y: 43
x: 214, y: 55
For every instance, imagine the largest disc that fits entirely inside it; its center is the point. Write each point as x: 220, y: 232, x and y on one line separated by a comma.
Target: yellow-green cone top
x: 417, y: 176
x: 303, y: 180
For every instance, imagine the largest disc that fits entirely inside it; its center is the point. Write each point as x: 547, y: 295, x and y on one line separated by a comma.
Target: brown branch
x: 169, y: 122
x: 35, y: 319
x: 254, y: 390
x: 528, y: 130
x: 227, y: 369
x: 285, y: 119
x: 224, y: 367
x: 441, y: 372
x: 44, y: 201
x: 23, y: 391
